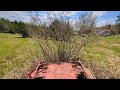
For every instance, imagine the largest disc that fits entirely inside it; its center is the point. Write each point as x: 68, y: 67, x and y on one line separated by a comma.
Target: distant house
x: 103, y: 32
x: 100, y: 32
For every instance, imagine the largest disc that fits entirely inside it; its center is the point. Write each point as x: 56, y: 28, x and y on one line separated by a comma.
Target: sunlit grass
x: 17, y: 54
x: 14, y: 52
x: 103, y: 57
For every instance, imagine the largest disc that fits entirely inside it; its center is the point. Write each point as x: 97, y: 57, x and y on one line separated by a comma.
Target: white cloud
x: 14, y: 15
x: 22, y: 15
x: 99, y: 13
x: 68, y: 13
x: 103, y: 21
x: 74, y: 12
x: 43, y: 16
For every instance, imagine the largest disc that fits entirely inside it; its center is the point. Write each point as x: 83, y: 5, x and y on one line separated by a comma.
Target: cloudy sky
x: 103, y: 17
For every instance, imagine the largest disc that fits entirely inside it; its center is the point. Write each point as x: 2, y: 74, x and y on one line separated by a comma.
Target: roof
x: 103, y: 32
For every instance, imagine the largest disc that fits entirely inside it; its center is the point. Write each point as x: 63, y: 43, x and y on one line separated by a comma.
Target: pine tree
x: 118, y: 24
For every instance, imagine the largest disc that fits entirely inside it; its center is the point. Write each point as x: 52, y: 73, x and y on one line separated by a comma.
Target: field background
x: 20, y: 55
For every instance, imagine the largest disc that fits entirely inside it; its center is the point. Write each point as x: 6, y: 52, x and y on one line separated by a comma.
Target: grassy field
x: 18, y: 54
x: 104, y: 57
x: 15, y: 52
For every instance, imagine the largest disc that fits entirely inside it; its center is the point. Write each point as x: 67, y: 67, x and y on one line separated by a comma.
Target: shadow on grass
x: 18, y: 37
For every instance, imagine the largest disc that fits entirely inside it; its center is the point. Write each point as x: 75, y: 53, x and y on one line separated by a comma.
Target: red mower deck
x: 71, y: 70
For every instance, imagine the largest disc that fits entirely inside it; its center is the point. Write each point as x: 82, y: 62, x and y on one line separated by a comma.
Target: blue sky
x: 103, y: 17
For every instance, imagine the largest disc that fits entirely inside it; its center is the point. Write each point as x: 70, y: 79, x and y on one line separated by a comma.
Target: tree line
x: 86, y: 24
x: 7, y: 26
x: 32, y: 30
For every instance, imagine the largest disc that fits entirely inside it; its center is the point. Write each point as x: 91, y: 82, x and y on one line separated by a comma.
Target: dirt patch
x: 115, y: 45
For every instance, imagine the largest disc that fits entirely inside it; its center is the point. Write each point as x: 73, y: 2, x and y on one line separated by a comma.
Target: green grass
x: 17, y: 55
x: 104, y: 57
x: 14, y: 52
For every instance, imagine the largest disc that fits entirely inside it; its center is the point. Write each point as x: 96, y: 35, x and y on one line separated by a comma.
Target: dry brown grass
x: 103, y: 71
x: 20, y: 73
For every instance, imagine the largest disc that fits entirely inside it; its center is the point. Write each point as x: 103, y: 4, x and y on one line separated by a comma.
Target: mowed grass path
x: 103, y: 57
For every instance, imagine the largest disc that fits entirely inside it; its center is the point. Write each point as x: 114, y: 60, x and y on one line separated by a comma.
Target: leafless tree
x: 86, y: 23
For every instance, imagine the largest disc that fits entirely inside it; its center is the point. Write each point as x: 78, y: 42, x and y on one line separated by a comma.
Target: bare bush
x: 56, y: 38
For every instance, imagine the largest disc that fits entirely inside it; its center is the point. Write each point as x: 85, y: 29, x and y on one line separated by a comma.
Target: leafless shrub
x: 56, y: 39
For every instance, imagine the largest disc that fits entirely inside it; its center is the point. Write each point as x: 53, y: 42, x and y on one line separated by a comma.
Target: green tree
x: 4, y: 27
x: 118, y: 24
x: 23, y: 30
